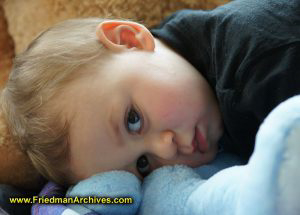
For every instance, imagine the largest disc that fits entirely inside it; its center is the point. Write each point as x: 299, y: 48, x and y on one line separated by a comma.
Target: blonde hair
x: 38, y: 77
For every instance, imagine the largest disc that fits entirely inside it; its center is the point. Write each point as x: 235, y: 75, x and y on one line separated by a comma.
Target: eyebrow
x: 115, y: 127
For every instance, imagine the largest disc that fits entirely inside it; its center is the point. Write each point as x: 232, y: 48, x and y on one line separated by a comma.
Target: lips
x: 199, y: 141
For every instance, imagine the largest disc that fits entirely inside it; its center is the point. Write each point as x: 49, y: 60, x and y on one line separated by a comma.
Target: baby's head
x: 94, y: 95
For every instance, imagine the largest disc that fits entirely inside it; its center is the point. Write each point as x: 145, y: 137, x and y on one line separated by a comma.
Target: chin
x: 205, y: 158
x: 209, y: 156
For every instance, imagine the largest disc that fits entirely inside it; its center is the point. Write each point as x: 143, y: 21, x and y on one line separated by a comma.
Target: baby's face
x: 142, y: 110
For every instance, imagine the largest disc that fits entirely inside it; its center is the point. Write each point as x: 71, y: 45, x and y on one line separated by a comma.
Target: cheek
x: 173, y: 109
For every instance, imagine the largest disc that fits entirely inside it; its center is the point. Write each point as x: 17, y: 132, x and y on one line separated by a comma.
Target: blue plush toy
x: 267, y: 185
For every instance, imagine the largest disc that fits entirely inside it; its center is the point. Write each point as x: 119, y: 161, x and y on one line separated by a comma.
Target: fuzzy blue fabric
x: 112, y: 184
x: 266, y: 185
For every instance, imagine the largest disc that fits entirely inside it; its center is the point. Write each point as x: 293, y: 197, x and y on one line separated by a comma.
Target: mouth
x: 199, y: 142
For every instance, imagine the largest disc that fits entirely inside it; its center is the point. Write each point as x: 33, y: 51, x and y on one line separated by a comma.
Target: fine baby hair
x: 36, y: 84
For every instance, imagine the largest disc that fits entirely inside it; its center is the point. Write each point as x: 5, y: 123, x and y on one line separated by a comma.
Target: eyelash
x: 133, y: 109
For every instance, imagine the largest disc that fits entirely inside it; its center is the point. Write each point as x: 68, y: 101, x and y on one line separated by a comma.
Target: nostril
x: 168, y: 137
x: 174, y: 140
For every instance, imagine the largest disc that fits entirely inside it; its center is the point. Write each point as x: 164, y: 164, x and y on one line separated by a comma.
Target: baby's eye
x: 143, y: 166
x: 133, y: 121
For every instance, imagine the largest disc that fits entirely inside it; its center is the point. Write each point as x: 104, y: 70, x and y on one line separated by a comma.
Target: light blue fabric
x: 109, y: 184
x: 267, y: 185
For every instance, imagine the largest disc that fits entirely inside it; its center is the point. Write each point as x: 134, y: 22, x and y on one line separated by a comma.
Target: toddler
x: 94, y: 95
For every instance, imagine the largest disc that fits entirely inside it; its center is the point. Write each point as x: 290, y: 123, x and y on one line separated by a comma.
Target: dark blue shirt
x: 249, y: 52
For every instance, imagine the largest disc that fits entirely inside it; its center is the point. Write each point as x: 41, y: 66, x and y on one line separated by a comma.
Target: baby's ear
x: 124, y: 35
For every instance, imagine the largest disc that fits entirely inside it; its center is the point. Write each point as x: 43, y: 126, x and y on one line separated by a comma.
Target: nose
x: 163, y: 145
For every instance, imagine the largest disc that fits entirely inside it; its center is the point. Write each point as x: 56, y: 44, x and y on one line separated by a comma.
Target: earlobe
x: 124, y: 35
